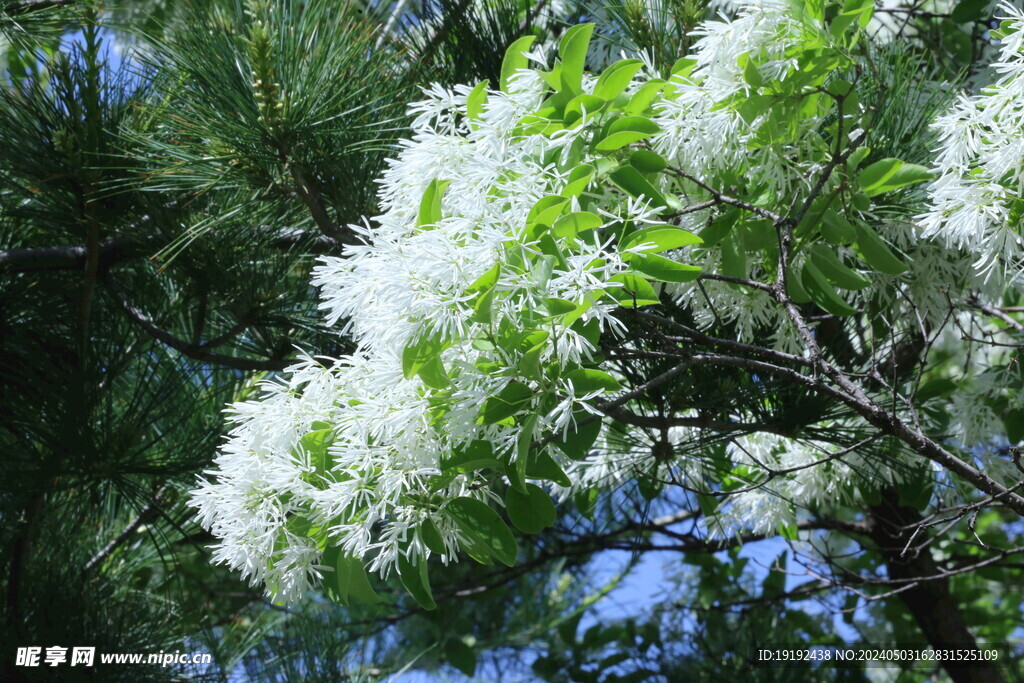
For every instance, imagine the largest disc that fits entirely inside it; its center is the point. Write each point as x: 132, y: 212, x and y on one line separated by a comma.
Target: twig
x: 196, y: 351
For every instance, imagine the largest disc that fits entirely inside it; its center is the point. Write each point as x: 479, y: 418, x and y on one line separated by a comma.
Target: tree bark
x: 931, y: 602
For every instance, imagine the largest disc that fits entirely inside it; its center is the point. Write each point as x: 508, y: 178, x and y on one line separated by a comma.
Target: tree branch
x: 121, y: 249
x: 724, y: 198
x: 150, y: 511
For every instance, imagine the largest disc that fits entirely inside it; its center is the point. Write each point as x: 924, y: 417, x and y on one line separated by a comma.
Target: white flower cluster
x: 351, y: 453
x: 387, y: 431
x: 705, y: 137
x: 715, y: 142
x: 977, y: 202
x: 816, y: 478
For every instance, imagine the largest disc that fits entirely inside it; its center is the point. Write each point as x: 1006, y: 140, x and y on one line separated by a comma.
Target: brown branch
x: 196, y: 351
x: 308, y: 189
x: 722, y: 198
x: 626, y: 416
x: 692, y: 334
x: 984, y: 308
x: 121, y: 249
x: 150, y: 511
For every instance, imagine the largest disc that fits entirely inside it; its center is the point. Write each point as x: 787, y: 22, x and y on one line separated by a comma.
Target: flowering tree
x: 746, y: 278
x: 733, y: 285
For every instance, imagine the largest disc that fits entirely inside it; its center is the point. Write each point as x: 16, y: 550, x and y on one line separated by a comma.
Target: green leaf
x: 578, y: 180
x: 553, y: 78
x: 547, y: 209
x: 586, y: 501
x: 530, y: 512
x: 858, y: 155
x: 479, y: 521
x: 707, y: 504
x: 476, y: 100
x: 430, y: 205
x: 507, y: 403
x: 316, y: 444
x: 559, y: 306
x: 299, y: 526
x: 634, y: 292
x: 970, y: 11
x: 890, y: 174
x: 1014, y: 423
x: 543, y: 268
x: 956, y: 41
x: 822, y: 292
x: 535, y: 124
x: 529, y: 364
x: 511, y: 468
x: 665, y: 270
x: 754, y: 106
x: 578, y: 441
x: 590, y: 330
x: 646, y: 161
x: 836, y: 229
x: 330, y: 558
x: 663, y: 238
x: 775, y: 582
x: 916, y: 488
x: 650, y: 487
x: 630, y: 180
x: 482, y: 307
x: 616, y: 77
x: 416, y: 581
x: 478, y: 552
x: 352, y: 581
x: 683, y: 67
x: 1005, y: 30
x: 835, y: 270
x: 643, y: 97
x: 473, y: 456
x: 734, y: 256
x: 574, y: 223
x: 619, y: 140
x: 523, y: 444
x: 876, y: 252
x: 796, y: 290
x: 432, y: 537
x: 750, y: 72
x: 433, y: 374
x: 840, y: 25
x: 864, y: 9
x: 940, y: 387
x: 461, y: 656
x: 907, y: 174
x: 572, y: 49
x: 720, y: 227
x: 637, y: 124
x: 418, y: 354
x: 586, y: 380
x: 574, y: 110
x: 487, y: 280
x: 625, y: 131
x: 540, y: 465
x: 515, y: 59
